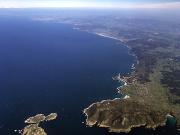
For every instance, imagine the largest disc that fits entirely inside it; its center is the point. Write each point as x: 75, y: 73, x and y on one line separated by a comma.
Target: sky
x: 90, y: 3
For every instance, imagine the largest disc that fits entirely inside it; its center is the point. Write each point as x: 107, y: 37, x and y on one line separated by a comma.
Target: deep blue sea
x: 50, y: 67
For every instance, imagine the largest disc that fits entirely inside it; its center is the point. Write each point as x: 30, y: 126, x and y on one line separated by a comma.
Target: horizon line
x: 166, y: 5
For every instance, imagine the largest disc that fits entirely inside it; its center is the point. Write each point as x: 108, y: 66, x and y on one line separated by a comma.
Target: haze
x: 89, y: 4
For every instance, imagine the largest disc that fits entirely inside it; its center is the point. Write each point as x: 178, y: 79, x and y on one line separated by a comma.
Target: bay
x: 50, y: 67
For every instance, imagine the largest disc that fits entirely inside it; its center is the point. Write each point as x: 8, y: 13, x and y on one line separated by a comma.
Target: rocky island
x: 33, y: 128
x: 51, y: 116
x: 36, y: 119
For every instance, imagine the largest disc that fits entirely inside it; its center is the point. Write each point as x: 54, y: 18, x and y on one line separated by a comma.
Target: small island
x: 51, y: 116
x: 33, y: 127
x: 36, y: 119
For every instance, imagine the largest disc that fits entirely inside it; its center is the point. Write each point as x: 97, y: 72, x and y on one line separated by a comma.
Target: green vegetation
x: 154, y: 92
x: 156, y: 80
x: 154, y: 86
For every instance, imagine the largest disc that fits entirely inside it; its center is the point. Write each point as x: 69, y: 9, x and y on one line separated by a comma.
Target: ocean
x: 50, y: 67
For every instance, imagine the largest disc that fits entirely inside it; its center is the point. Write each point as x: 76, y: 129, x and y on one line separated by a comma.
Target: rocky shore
x: 121, y: 115
x: 33, y: 122
x: 124, y: 114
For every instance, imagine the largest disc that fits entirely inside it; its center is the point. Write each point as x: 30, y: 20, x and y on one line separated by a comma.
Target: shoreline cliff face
x: 122, y: 115
x: 33, y: 122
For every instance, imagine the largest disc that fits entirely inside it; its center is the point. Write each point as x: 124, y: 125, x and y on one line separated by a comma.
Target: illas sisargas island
x: 33, y: 127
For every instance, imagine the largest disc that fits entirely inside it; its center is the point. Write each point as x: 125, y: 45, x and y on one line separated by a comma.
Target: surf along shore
x: 135, y: 109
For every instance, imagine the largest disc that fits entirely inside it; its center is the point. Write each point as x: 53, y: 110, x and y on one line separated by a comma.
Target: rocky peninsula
x: 152, y: 86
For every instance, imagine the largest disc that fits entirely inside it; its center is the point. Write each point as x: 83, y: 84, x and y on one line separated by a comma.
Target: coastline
x: 108, y: 36
x: 134, y: 95
x: 121, y: 42
x: 136, y: 61
x: 146, y: 91
x: 133, y: 66
x: 105, y: 35
x: 94, y: 120
x: 125, y: 83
